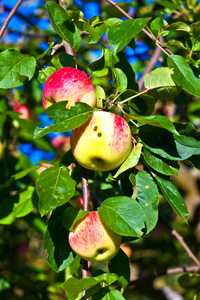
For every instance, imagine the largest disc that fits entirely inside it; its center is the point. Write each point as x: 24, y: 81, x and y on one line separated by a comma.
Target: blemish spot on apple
x: 95, y: 128
x: 99, y: 134
x: 50, y: 80
x: 147, y: 187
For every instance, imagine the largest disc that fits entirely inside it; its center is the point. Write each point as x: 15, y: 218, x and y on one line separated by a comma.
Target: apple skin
x: 23, y: 110
x: 68, y: 84
x: 92, y: 240
x: 102, y: 143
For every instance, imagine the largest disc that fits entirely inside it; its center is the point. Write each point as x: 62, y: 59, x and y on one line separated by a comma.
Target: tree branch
x: 86, y: 197
x: 181, y: 240
x: 175, y: 271
x: 150, y: 66
x: 9, y: 17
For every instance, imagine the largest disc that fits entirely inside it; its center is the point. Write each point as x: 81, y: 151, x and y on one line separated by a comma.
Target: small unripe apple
x: 68, y: 84
x: 92, y: 240
x: 102, y: 143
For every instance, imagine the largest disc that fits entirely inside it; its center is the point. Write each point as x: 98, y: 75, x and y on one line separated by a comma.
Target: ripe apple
x: 23, y: 110
x: 68, y: 84
x: 102, y: 143
x: 92, y: 240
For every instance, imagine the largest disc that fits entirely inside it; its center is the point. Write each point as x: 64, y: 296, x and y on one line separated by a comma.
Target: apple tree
x: 142, y: 59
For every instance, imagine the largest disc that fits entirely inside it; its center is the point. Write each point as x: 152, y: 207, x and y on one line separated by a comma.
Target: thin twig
x: 150, y: 66
x: 175, y: 271
x: 9, y: 17
x: 181, y: 240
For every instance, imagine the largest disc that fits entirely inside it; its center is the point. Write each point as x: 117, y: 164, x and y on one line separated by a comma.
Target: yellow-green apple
x: 92, y: 240
x: 102, y: 143
x: 68, y: 84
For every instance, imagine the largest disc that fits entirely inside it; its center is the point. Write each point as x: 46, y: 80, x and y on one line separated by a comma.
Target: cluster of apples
x: 100, y: 144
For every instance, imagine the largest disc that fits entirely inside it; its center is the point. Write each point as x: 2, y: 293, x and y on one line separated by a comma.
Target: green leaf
x: 163, y: 143
x: 119, y: 79
x: 44, y: 74
x: 161, y: 165
x: 18, y: 206
x: 13, y: 67
x: 131, y: 161
x: 147, y: 195
x: 65, y: 119
x: 122, y: 269
x: 45, y: 52
x: 96, y: 34
x: 74, y: 287
x: 123, y: 215
x: 195, y: 161
x: 98, y: 67
x: 160, y: 83
x: 173, y: 196
x: 120, y: 35
x: 64, y: 27
x: 54, y: 187
x: 141, y: 105
x: 112, y: 295
x: 183, y: 75
x: 178, y: 26
x: 56, y: 242
x: 156, y: 121
x: 71, y: 215
x: 100, y: 96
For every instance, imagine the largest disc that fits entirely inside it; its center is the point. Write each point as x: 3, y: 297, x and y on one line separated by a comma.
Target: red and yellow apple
x: 68, y: 84
x: 92, y: 240
x: 23, y: 110
x: 102, y: 143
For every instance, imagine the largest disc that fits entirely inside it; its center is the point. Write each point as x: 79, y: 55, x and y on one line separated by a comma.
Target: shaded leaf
x: 161, y: 165
x: 163, y: 143
x: 18, y: 206
x: 122, y: 269
x: 172, y: 196
x: 56, y: 242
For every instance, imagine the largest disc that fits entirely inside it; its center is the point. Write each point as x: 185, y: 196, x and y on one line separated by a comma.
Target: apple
x: 102, y: 143
x: 62, y: 143
x: 68, y: 84
x: 23, y: 110
x: 92, y: 240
